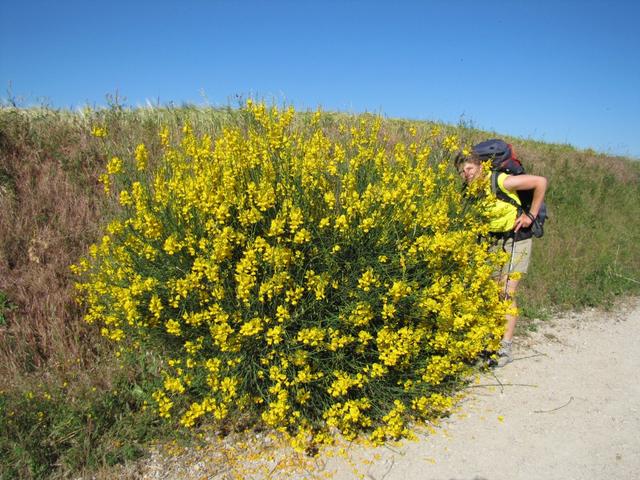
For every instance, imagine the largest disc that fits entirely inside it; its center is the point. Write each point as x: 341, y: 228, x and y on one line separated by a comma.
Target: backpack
x: 504, y: 160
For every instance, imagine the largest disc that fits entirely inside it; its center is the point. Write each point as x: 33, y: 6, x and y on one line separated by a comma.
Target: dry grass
x: 45, y: 221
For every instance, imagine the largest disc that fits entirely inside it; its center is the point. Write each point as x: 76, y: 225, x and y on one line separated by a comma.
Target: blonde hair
x: 460, y: 158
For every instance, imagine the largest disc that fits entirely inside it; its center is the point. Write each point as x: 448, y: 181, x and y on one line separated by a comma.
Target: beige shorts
x: 521, y: 254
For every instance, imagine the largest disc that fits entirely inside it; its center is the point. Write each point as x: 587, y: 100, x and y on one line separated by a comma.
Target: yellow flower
x: 388, y: 311
x: 164, y: 404
x: 114, y: 166
x: 282, y: 313
x: 293, y: 295
x: 98, y: 131
x: 155, y: 306
x: 295, y: 219
x: 313, y: 336
x: 164, y: 136
x: 344, y: 382
x: 274, y: 335
x: 252, y: 327
x: 367, y: 280
x: 142, y: 156
x: 361, y: 315
x: 173, y: 385
x: 302, y: 236
x: 399, y: 290
x: 196, y: 410
x: 116, y: 334
x: 173, y: 327
x: 125, y: 198
x: 106, y: 181
x: 172, y: 245
x: 341, y: 223
x: 367, y: 224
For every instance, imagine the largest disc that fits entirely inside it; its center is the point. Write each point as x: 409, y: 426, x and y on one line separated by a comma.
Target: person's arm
x: 527, y: 182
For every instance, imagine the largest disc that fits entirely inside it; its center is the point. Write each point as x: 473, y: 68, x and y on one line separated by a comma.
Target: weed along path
x: 567, y: 408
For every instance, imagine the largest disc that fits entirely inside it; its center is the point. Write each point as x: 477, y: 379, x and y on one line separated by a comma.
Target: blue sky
x: 560, y: 71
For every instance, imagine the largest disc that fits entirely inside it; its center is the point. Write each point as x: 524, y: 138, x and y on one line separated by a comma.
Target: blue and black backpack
x: 504, y: 160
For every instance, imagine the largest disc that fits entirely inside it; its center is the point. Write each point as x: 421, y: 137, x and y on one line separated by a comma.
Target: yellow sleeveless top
x: 502, y: 215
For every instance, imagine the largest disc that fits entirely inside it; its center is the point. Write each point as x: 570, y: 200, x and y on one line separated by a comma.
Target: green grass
x: 590, y: 252
x: 5, y: 308
x: 51, y: 205
x: 53, y: 427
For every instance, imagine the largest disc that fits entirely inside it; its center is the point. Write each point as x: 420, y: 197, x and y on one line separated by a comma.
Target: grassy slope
x: 51, y: 209
x: 591, y: 253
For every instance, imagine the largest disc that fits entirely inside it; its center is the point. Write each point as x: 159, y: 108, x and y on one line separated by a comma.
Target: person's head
x: 468, y: 166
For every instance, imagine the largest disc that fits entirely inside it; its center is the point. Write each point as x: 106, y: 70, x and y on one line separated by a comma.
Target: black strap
x: 497, y: 191
x: 501, y: 235
x: 524, y: 233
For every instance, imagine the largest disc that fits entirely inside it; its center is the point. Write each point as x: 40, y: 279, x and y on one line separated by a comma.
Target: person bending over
x: 507, y: 224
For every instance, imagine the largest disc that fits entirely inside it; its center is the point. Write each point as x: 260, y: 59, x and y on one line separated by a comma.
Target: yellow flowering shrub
x: 318, y: 279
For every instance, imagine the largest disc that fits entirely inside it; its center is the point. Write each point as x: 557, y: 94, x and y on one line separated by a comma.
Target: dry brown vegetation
x: 46, y: 219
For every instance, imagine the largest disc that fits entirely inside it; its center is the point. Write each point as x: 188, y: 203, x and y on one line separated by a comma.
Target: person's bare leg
x: 509, y: 287
x: 511, y: 319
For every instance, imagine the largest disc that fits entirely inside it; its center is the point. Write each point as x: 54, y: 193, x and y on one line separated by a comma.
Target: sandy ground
x: 567, y: 408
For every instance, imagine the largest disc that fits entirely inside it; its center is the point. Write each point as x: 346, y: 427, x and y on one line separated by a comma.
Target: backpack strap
x: 501, y: 195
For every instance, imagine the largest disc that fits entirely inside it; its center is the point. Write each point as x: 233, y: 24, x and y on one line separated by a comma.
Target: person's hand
x: 523, y: 221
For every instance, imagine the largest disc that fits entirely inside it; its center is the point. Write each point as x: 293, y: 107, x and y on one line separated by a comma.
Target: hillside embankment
x: 67, y: 404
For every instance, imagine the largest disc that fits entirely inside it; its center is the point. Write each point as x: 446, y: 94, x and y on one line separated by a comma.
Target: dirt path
x: 567, y: 408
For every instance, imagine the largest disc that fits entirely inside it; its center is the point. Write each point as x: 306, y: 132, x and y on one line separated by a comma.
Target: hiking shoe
x: 504, y: 354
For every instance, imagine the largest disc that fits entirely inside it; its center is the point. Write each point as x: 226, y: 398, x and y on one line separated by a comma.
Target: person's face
x: 470, y: 171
